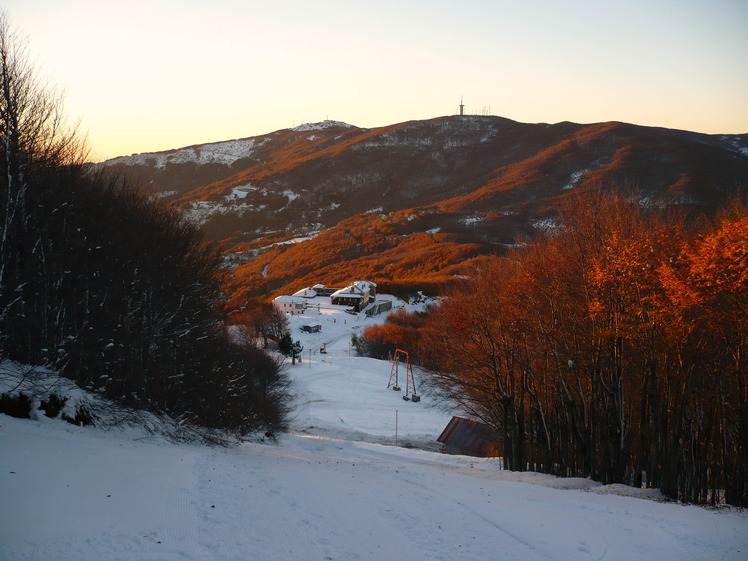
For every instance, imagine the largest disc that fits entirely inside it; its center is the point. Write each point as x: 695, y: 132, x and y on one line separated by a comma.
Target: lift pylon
x: 410, y: 380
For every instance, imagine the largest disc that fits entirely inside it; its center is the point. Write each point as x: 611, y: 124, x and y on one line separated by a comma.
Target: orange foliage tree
x: 401, y: 330
x: 614, y: 350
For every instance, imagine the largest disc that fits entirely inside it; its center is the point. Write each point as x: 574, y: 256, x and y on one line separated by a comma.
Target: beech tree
x: 613, y: 350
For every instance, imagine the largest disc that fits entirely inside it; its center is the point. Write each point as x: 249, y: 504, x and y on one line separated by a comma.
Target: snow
x: 388, y: 139
x: 291, y: 241
x: 200, y: 212
x: 737, y: 143
x: 334, y: 487
x: 548, y: 225
x: 574, y: 179
x: 225, y: 153
x: 291, y: 195
x: 241, y: 191
x: 471, y: 220
x: 326, y: 124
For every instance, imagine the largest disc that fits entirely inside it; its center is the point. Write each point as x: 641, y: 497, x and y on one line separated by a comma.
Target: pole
x: 396, y: 427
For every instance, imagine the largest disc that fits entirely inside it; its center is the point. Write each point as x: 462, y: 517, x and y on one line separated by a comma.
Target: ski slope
x: 334, y: 488
x: 344, y: 396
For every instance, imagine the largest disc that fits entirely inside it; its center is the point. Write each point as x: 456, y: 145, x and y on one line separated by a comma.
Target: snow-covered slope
x: 331, y: 489
x: 225, y: 153
x: 343, y: 396
x: 77, y: 493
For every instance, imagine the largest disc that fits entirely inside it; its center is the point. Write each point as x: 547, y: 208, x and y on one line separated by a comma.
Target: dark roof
x: 471, y: 438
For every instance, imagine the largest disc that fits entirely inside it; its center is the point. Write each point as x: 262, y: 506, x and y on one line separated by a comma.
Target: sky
x: 151, y: 75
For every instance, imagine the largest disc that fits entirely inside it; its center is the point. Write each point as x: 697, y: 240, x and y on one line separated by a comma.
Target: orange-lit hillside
x: 414, y: 203
x: 366, y: 246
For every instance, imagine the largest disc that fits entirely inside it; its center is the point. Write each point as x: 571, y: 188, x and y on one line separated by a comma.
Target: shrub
x: 401, y: 330
x: 18, y: 406
x: 53, y: 405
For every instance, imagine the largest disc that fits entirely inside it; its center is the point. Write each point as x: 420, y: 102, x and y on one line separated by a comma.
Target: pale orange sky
x: 147, y: 75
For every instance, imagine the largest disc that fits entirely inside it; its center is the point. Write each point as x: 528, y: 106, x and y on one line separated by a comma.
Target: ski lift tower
x: 410, y: 380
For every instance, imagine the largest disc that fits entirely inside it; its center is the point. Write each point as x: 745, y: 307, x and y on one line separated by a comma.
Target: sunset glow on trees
x: 614, y: 350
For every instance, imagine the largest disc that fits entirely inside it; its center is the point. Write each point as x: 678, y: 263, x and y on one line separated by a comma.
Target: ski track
x: 179, y: 509
x: 313, y: 498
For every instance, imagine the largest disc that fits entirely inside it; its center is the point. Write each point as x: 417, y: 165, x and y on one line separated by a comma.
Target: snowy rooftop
x: 356, y: 290
x: 287, y: 298
x: 306, y: 293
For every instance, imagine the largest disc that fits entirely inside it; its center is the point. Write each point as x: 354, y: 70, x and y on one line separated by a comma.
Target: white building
x: 290, y: 304
x: 356, y: 295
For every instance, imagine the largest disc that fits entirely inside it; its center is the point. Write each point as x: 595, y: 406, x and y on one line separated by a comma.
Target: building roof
x: 306, y: 293
x: 351, y: 291
x: 356, y: 289
x: 286, y: 298
x: 471, y: 438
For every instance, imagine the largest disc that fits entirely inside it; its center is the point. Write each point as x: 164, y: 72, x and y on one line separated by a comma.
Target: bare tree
x: 33, y: 136
x: 270, y: 323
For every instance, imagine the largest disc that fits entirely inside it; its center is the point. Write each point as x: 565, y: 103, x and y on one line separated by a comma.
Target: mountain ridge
x: 468, y: 182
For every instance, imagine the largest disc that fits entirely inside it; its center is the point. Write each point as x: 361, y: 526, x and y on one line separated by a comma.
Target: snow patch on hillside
x: 222, y: 153
x: 738, y: 143
x: 574, y: 179
x: 322, y: 125
x: 225, y: 153
x: 472, y: 220
x: 548, y: 225
x: 296, y: 240
x: 200, y: 212
x: 241, y: 191
x: 392, y: 139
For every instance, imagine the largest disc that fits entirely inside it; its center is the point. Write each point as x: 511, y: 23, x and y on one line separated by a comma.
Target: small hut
x: 470, y: 438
